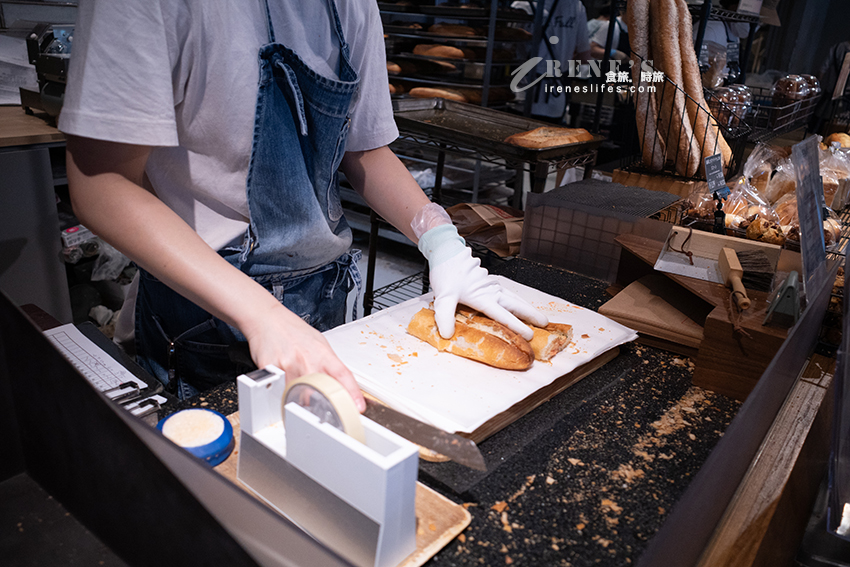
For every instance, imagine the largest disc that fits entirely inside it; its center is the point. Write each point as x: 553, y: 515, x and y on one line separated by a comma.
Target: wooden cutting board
x: 438, y: 519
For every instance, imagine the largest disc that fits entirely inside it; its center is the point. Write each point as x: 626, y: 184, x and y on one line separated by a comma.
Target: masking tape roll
x: 339, y: 409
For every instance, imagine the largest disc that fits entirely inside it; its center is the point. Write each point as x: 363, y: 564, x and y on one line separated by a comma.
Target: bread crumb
x: 580, y: 526
x: 432, y: 527
x: 575, y: 462
x: 461, y: 538
x: 550, y: 480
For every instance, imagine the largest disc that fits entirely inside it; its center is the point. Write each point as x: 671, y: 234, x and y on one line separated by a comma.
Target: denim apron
x: 297, y: 242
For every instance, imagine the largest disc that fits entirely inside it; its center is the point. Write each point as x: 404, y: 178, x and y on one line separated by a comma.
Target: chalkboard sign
x: 809, y: 209
x: 714, y: 176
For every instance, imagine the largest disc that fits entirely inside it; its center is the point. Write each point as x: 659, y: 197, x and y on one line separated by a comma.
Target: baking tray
x: 478, y: 128
x: 390, y: 7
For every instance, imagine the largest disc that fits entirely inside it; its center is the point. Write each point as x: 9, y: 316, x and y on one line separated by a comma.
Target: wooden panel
x: 729, y: 362
x: 766, y: 519
x: 438, y: 519
x: 17, y: 128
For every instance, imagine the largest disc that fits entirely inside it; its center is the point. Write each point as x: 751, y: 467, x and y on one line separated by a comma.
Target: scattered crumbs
x: 679, y: 362
x: 461, y: 538
x: 585, y: 336
x: 580, y: 526
x: 661, y: 510
x: 550, y: 480
x: 395, y: 358
x: 508, y: 560
x: 627, y: 473
x: 503, y: 549
x: 203, y: 404
x: 692, y: 437
x: 611, y: 505
x: 575, y: 462
x: 506, y: 525
x: 499, y: 506
x: 601, y: 329
x: 364, y: 342
x: 416, y: 354
x: 603, y: 542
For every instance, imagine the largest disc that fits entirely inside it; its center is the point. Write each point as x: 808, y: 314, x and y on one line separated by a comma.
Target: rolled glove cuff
x: 441, y: 243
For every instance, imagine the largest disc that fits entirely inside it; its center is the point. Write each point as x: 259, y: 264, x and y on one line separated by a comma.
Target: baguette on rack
x: 681, y: 145
x: 646, y: 115
x: 428, y: 92
x: 548, y: 137
x: 706, y: 130
x: 447, y: 51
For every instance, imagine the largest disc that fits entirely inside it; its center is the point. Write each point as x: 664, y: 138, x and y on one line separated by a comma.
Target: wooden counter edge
x: 765, y: 520
x: 17, y: 128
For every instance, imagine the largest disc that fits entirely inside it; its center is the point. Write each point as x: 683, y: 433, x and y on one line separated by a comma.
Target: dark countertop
x: 588, y: 477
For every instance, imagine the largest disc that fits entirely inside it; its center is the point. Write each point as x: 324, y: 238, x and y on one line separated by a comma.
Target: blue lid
x: 216, y: 451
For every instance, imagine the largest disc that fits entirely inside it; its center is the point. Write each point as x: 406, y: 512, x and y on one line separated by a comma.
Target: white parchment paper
x: 450, y: 392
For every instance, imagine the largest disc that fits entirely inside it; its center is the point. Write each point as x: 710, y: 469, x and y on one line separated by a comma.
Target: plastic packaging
x: 109, y: 264
x: 428, y: 217
x: 760, y: 165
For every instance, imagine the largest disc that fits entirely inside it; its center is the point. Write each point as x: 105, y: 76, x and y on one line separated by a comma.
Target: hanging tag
x: 714, y: 176
x: 732, y: 52
x: 703, y: 56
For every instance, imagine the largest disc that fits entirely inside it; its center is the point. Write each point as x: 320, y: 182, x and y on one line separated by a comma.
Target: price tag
x: 809, y: 207
x: 703, y: 56
x: 714, y: 176
x: 732, y: 52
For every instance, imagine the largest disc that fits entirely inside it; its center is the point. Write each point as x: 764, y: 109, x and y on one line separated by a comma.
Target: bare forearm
x: 386, y: 186
x: 142, y: 227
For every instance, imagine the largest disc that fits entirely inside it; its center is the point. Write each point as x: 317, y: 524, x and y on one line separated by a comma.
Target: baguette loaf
x: 479, y: 338
x: 548, y: 137
x: 447, y: 51
x: 706, y: 130
x: 681, y: 145
x: 646, y: 114
x: 428, y: 92
x: 476, y: 337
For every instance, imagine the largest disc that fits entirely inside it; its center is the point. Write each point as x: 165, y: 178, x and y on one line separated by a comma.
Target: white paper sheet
x: 103, y: 371
x: 450, y: 392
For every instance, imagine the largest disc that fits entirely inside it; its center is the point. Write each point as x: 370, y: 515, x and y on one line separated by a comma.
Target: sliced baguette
x: 476, y: 337
x: 549, y: 341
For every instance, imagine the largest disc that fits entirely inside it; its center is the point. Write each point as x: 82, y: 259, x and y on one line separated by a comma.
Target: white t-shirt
x: 598, y: 32
x: 181, y: 75
x: 569, y: 24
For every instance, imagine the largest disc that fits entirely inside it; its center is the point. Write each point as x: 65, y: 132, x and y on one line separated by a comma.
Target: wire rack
x: 684, y: 131
x: 768, y: 119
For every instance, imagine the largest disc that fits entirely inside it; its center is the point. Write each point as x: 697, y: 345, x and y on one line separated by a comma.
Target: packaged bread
x: 759, y: 167
x: 479, y: 338
x: 429, y: 92
x: 765, y: 230
x: 549, y: 137
x: 837, y: 137
x: 784, y: 181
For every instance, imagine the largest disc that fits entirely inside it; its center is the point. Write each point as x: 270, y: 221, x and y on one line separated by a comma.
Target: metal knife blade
x: 459, y: 449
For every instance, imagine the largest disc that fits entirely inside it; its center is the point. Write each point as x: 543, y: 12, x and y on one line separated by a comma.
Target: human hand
x: 457, y: 277
x: 283, y: 339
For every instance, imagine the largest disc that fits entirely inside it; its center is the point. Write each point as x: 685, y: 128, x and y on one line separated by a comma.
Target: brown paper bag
x: 496, y: 227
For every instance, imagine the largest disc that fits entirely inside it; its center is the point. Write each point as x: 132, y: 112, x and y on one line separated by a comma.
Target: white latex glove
x: 457, y: 277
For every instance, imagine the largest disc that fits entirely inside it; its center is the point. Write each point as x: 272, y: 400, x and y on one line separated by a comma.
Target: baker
x: 203, y: 141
